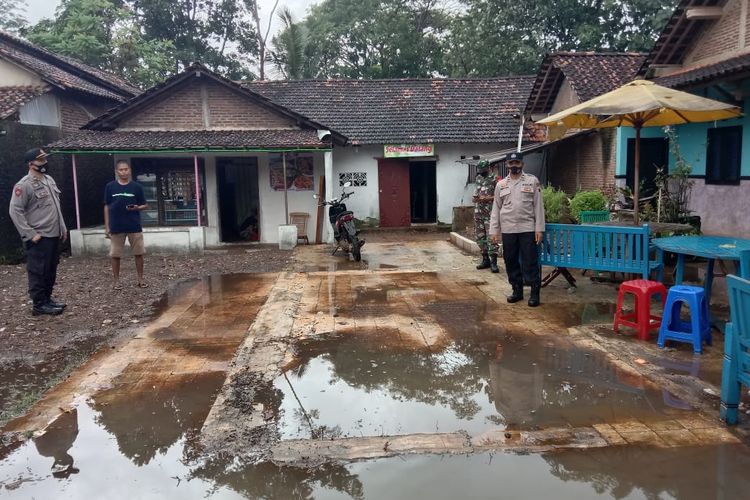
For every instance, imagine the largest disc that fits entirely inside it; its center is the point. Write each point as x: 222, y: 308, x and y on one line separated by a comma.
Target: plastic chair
x: 300, y: 219
x: 695, y: 331
x: 736, y: 369
x: 643, y: 291
x: 744, y: 269
x: 589, y: 216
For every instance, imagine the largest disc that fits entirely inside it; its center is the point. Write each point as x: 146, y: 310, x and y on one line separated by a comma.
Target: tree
x: 11, y: 15
x: 497, y: 37
x: 260, y: 37
x: 210, y: 31
x: 104, y: 34
x: 288, y: 52
x: 375, y: 38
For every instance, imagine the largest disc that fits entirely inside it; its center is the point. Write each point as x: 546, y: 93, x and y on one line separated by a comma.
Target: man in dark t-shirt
x: 123, y: 201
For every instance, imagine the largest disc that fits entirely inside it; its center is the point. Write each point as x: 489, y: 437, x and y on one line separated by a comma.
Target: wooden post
x: 197, y: 190
x: 75, y: 194
x: 636, y: 174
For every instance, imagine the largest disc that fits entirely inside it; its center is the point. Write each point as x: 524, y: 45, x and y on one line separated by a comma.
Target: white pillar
x: 327, y: 232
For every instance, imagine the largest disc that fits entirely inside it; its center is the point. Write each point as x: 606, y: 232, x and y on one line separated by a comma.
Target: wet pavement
x: 387, y: 378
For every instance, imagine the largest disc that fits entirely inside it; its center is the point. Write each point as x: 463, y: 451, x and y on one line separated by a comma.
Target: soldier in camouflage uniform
x: 483, y: 198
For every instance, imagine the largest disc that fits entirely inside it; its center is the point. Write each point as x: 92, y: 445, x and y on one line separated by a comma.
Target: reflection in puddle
x: 351, y: 387
x: 103, y: 471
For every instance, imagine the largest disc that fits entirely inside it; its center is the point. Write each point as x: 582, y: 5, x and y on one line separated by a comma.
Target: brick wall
x: 583, y: 163
x: 719, y: 37
x: 76, y: 112
x: 230, y: 110
x: 183, y: 110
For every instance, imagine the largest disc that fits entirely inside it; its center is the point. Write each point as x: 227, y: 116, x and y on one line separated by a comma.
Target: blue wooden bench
x: 599, y: 248
x: 736, y: 369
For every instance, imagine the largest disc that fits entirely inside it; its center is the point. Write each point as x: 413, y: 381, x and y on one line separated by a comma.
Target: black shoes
x: 60, y: 305
x: 46, y: 309
x: 534, y: 298
x: 493, y: 263
x: 516, y: 296
x: 485, y: 264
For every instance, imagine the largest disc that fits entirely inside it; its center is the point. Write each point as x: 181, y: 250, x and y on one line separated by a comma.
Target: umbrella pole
x: 636, y: 172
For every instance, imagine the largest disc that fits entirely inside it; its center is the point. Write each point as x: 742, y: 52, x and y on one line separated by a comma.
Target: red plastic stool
x: 643, y: 290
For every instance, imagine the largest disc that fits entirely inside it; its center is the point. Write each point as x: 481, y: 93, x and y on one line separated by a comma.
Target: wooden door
x: 395, y: 204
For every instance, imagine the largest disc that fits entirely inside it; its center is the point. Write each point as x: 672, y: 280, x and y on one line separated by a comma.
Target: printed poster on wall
x: 299, y: 172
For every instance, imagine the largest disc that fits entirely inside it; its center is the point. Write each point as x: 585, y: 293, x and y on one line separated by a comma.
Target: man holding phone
x: 123, y: 201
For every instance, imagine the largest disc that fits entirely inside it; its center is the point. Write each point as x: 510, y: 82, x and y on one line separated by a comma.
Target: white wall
x: 272, y: 202
x: 452, y: 189
x: 365, y: 202
x: 13, y: 75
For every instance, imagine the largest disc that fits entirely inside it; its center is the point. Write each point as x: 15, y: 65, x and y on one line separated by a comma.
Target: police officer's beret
x: 515, y: 156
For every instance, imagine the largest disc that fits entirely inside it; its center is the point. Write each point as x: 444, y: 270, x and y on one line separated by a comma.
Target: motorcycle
x: 342, y: 220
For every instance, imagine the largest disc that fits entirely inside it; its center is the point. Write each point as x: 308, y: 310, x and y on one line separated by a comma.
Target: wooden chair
x: 300, y: 219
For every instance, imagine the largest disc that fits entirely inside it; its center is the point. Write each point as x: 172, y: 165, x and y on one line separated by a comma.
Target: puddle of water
x: 100, y: 469
x: 475, y: 384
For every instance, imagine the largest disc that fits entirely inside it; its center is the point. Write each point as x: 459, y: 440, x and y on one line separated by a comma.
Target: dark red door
x: 393, y: 180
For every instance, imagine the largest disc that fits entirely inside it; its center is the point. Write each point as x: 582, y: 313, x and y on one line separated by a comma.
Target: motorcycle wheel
x: 355, y: 248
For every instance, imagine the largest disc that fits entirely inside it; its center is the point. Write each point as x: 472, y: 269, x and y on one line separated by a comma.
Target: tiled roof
x: 408, y: 110
x: 590, y: 74
x: 64, y: 72
x: 110, y: 120
x: 678, y: 35
x: 96, y: 140
x: 709, y: 72
x: 12, y: 98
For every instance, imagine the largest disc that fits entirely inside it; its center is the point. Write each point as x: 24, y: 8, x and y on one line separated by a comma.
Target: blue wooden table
x: 708, y: 247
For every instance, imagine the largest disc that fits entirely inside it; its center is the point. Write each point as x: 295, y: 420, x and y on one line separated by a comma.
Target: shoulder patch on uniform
x: 18, y: 191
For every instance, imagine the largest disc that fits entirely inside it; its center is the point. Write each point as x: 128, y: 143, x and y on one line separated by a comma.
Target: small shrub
x: 555, y: 204
x: 587, y: 200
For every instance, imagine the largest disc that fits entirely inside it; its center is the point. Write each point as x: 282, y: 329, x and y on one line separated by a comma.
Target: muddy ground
x: 39, y: 351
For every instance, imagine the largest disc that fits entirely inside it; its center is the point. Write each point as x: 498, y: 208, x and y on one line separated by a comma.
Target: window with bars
x: 169, y: 186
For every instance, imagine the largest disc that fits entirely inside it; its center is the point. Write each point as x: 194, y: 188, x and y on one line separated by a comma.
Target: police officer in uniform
x: 518, y: 214
x: 35, y: 211
x: 483, y: 198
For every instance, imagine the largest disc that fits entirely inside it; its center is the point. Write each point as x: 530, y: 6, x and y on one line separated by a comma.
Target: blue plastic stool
x: 697, y: 329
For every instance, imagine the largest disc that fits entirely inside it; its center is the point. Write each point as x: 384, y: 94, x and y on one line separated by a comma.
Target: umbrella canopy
x: 640, y: 103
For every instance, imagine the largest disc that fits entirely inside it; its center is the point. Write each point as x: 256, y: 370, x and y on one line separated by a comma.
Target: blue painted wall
x: 692, y: 141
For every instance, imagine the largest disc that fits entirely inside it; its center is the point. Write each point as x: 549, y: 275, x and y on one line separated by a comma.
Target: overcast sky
x: 38, y: 9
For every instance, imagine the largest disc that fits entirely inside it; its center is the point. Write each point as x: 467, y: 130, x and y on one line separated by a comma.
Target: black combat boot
x: 485, y: 262
x: 516, y: 295
x: 493, y: 263
x: 534, y: 298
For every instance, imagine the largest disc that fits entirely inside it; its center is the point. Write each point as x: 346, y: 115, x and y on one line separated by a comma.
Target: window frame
x: 720, y: 174
x: 161, y: 169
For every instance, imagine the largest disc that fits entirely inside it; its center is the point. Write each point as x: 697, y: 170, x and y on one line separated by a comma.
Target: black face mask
x: 515, y: 170
x: 483, y: 173
x: 40, y: 168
